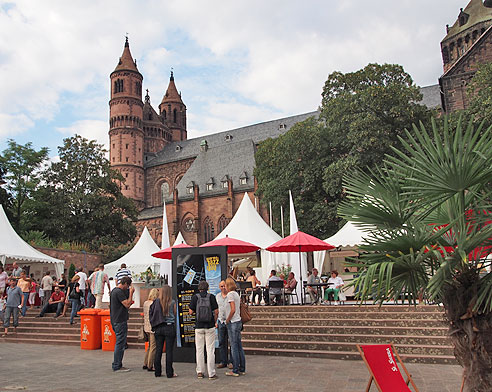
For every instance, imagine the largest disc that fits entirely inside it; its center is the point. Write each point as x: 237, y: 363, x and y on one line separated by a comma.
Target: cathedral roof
x: 126, y: 61
x: 213, y: 164
x: 171, y: 94
x: 256, y: 133
x: 475, y: 12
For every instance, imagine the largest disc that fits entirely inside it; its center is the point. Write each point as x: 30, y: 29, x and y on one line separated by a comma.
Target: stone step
x: 58, y: 330
x: 407, y: 358
x: 346, y: 338
x: 347, y: 329
x: 349, y: 314
x: 352, y: 308
x: 343, y: 346
x: 348, y: 321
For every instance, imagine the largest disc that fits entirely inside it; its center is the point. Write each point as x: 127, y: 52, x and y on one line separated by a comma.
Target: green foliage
x: 71, y: 271
x: 362, y: 115
x: 284, y: 269
x: 21, y: 166
x: 38, y: 238
x: 80, y: 200
x: 479, y: 92
x: 426, y: 212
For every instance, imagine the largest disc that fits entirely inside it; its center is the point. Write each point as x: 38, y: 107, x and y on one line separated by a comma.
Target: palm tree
x: 427, y: 212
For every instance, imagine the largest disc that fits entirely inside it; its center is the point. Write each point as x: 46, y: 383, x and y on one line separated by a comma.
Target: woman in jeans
x: 150, y: 353
x: 162, y: 318
x: 234, y: 326
x: 73, y: 295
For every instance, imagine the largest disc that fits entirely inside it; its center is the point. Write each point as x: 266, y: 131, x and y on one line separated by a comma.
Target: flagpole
x: 271, y: 217
x: 282, y: 219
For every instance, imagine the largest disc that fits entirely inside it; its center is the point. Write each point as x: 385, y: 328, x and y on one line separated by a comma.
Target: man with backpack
x: 205, y: 308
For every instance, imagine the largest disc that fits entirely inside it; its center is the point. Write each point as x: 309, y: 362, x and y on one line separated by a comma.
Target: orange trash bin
x: 107, y: 333
x: 90, y: 329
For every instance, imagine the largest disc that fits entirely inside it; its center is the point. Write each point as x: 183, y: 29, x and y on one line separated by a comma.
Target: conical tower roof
x: 172, y: 94
x: 476, y: 13
x: 126, y: 61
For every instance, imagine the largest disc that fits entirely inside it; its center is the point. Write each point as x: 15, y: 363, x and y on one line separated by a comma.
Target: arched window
x: 221, y: 225
x: 164, y: 114
x: 208, y: 229
x: 175, y: 115
x: 164, y: 191
x: 118, y: 86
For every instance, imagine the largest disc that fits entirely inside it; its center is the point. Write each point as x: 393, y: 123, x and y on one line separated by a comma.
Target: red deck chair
x: 384, y: 370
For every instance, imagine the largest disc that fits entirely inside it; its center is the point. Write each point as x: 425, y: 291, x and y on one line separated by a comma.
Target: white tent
x: 248, y: 225
x: 14, y: 248
x: 348, y: 236
x: 139, y: 258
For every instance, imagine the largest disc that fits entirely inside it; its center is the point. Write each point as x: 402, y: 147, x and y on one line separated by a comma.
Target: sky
x: 236, y: 63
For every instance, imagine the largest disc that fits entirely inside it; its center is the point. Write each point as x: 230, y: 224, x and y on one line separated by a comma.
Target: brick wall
x: 88, y: 261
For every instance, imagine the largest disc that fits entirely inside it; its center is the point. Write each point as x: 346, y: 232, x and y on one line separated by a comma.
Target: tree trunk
x: 471, y: 334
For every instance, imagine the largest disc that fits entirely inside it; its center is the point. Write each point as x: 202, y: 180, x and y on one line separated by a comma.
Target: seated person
x: 55, y: 303
x: 291, y: 283
x: 335, y: 287
x: 256, y: 289
x: 274, y: 292
x: 313, y: 291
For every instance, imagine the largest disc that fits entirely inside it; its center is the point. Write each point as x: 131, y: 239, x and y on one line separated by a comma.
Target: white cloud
x: 90, y: 129
x: 11, y: 124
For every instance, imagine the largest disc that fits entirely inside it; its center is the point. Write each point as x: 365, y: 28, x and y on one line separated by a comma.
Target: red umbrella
x: 167, y: 253
x: 299, y: 242
x: 233, y: 245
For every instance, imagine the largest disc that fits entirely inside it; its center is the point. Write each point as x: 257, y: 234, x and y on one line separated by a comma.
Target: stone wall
x: 88, y: 261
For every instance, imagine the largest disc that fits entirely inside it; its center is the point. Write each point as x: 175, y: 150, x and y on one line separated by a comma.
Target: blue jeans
x: 82, y: 297
x: 24, y: 305
x: 75, y: 307
x: 223, y: 345
x: 238, y: 358
x: 9, y: 310
x: 121, y: 332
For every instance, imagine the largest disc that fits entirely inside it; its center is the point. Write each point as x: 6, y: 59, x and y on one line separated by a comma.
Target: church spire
x: 126, y: 61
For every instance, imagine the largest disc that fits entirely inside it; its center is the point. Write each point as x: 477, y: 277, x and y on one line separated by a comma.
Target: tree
x: 80, y: 200
x: 71, y: 271
x: 427, y: 215
x: 361, y: 116
x: 480, y: 95
x: 21, y: 164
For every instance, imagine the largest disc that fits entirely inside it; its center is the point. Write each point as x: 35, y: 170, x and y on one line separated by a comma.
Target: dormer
x: 224, y: 181
x: 463, y: 17
x: 210, y: 184
x: 243, y: 179
x: 190, y: 188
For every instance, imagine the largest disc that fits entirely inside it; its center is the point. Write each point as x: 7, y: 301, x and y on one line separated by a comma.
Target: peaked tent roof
x: 13, y: 247
x: 179, y: 239
x: 139, y: 258
x: 247, y: 225
x: 348, y: 235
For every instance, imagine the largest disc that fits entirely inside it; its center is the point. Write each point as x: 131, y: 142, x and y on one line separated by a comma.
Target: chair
x: 292, y: 294
x: 242, y: 289
x: 384, y: 370
x: 276, y: 284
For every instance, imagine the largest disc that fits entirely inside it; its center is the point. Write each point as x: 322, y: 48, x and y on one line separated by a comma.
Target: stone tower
x: 467, y: 44
x: 173, y: 111
x: 126, y: 136
x: 156, y: 134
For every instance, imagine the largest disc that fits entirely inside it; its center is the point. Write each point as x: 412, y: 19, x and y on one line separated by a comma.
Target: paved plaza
x: 42, y: 368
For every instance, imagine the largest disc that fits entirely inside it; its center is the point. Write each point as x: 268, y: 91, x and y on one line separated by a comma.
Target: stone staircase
x: 48, y: 330
x: 419, y: 334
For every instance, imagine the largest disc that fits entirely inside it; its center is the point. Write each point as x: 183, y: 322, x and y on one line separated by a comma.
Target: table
x: 317, y: 285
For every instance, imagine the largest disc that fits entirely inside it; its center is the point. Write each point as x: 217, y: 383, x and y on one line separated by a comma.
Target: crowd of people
x: 50, y: 294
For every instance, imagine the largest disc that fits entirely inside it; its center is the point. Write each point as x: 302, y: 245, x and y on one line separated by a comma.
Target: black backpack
x: 203, y: 309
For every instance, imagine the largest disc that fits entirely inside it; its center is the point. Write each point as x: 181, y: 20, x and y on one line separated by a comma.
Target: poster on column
x: 192, y: 265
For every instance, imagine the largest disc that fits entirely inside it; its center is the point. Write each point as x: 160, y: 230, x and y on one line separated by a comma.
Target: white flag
x: 165, y: 231
x: 292, y: 213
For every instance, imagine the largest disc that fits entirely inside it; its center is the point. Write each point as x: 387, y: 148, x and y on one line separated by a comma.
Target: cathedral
x: 202, y: 180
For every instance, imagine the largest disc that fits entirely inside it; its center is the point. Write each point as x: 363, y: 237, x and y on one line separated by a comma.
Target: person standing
x: 162, y: 318
x: 121, y: 298
x: 3, y: 281
x: 32, y: 292
x: 204, y: 306
x: 122, y: 272
x: 73, y: 295
x: 82, y: 284
x: 97, y: 281
x: 47, y: 287
x: 224, y: 310
x: 15, y: 300
x: 16, y: 271
x: 150, y: 352
x: 25, y: 285
x: 234, y: 326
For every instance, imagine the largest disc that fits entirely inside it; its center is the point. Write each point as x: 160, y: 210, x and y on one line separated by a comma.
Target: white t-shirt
x: 336, y: 282
x: 224, y: 307
x: 3, y: 280
x: 233, y: 296
x: 83, y: 278
x: 47, y: 283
